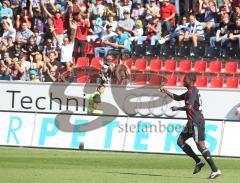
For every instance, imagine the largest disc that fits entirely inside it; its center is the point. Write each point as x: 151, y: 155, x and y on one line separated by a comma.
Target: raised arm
x: 30, y: 8
x: 8, y: 27
x: 73, y: 26
x: 172, y: 95
x: 69, y: 9
x: 45, y: 9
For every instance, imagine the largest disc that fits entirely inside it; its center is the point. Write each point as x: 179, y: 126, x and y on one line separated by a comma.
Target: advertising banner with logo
x: 120, y: 134
x: 160, y: 135
x: 116, y: 100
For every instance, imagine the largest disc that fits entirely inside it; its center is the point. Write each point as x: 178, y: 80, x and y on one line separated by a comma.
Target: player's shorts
x: 197, y: 131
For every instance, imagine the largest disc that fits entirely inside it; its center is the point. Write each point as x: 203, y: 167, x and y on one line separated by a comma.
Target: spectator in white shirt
x: 67, y: 47
x: 137, y: 12
x: 112, y: 23
x: 107, y: 37
x: 125, y: 6
x: 9, y: 31
x: 100, y: 8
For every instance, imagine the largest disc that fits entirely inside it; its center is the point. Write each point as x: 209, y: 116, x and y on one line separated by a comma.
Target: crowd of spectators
x: 40, y: 40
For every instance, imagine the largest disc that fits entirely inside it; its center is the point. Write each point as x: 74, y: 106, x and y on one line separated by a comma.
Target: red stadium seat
x: 155, y: 80
x: 201, y: 81
x: 155, y: 65
x: 82, y: 79
x: 171, y: 80
x: 230, y: 68
x: 140, y: 65
x: 128, y: 63
x: 140, y: 79
x: 89, y: 47
x: 96, y: 62
x: 185, y: 66
x: 216, y: 82
x: 232, y: 82
x: 170, y: 65
x: 200, y: 66
x: 181, y: 83
x: 89, y: 50
x: 215, y: 67
x: 82, y: 62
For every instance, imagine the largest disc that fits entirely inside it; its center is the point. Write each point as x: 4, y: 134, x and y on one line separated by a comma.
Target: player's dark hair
x: 100, y: 86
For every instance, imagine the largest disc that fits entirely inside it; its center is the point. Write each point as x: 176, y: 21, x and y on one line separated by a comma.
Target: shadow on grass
x: 155, y: 175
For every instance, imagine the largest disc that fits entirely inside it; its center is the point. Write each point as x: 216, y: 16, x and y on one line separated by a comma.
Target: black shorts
x: 197, y: 131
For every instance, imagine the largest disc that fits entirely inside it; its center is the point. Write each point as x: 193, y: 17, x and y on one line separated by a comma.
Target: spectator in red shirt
x: 23, y: 17
x: 58, y: 21
x: 83, y: 25
x: 168, y: 12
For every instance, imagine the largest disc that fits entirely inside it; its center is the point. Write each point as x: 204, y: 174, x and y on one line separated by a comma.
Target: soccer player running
x: 195, y: 126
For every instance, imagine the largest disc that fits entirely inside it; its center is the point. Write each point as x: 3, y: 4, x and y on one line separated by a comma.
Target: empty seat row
x: 158, y: 65
x: 174, y: 80
x: 95, y: 62
x: 186, y: 66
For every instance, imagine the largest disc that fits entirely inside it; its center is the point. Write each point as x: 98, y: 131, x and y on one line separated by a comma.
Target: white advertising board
x: 231, y: 142
x: 120, y: 134
x: 54, y: 98
x: 16, y: 129
x: 160, y: 135
x: 51, y: 133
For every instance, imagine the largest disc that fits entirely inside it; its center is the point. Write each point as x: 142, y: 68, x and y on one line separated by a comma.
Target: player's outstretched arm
x: 174, y: 108
x: 172, y: 95
x: 164, y: 90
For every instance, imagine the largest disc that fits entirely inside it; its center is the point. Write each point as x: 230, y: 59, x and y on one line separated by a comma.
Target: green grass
x: 59, y: 166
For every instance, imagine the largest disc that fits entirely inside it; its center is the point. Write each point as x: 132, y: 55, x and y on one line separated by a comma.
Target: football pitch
x: 59, y: 166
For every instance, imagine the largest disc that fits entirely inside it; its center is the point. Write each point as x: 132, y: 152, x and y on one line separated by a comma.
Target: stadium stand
x: 82, y: 62
x: 215, y: 67
x: 96, y: 62
x: 200, y: 66
x: 185, y: 66
x: 202, y: 81
x: 83, y: 79
x: 171, y: 80
x: 170, y: 65
x: 230, y: 68
x: 140, y: 79
x: 232, y: 82
x: 155, y: 65
x: 57, y: 39
x: 216, y: 82
x: 140, y: 65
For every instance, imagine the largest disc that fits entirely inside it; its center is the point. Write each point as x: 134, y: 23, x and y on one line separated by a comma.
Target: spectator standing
x: 168, y: 12
x: 82, y: 32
